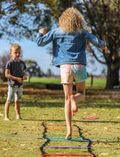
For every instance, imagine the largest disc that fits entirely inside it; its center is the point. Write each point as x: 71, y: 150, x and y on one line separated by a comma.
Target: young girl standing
x: 69, y: 43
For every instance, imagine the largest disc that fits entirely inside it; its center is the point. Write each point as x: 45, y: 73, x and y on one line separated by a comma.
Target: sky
x: 39, y: 54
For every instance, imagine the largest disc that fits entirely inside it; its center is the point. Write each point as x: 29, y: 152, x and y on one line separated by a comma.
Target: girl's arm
x: 93, y: 39
x: 106, y: 49
x: 42, y: 30
x: 44, y: 39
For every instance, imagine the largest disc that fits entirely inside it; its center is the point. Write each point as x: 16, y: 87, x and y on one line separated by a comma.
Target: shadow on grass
x: 32, y: 136
x: 43, y: 104
x: 51, y: 120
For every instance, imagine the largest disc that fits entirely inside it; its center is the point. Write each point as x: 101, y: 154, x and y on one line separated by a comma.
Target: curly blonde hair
x: 14, y: 46
x: 72, y: 20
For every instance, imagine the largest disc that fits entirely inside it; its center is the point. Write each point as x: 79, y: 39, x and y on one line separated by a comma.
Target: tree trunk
x: 112, y: 78
x: 91, y: 80
x: 116, y: 77
x: 29, y: 76
x: 109, y: 83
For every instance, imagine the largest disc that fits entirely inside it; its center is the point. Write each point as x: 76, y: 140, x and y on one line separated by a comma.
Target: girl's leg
x: 68, y: 92
x: 79, y: 96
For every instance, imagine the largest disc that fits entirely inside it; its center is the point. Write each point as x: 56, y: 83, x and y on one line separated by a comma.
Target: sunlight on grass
x: 22, y: 138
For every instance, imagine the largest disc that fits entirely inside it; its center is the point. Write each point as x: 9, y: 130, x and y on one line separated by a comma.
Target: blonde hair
x: 14, y: 46
x: 72, y: 20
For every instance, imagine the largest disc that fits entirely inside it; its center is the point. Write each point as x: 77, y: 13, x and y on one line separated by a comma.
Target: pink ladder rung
x: 68, y: 154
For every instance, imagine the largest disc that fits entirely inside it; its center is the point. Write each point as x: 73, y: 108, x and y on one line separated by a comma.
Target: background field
x: 22, y: 138
x: 97, y: 82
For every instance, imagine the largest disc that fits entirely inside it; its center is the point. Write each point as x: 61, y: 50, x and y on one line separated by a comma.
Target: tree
x: 49, y: 73
x: 104, y: 19
x: 33, y: 69
x: 3, y: 60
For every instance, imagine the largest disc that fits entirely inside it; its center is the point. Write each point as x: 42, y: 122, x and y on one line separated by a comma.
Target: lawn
x: 97, y: 82
x: 22, y: 138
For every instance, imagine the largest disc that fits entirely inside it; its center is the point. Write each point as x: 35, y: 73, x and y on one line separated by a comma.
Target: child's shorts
x: 71, y: 73
x: 15, y: 90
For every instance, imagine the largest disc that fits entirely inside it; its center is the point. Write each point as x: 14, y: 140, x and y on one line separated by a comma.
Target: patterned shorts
x: 71, y: 73
x: 15, y: 91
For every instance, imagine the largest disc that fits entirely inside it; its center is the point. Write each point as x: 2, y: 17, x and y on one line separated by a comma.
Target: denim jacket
x: 68, y: 48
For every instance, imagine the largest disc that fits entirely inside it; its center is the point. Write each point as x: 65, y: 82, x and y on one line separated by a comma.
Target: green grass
x: 96, y: 82
x: 44, y: 80
x: 21, y: 138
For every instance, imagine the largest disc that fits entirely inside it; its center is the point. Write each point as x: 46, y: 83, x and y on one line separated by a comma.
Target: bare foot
x: 7, y: 119
x: 68, y: 137
x: 74, y: 108
x: 69, y: 134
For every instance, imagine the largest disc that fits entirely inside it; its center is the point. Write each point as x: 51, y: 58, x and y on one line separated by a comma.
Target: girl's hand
x: 42, y: 30
x: 106, y: 49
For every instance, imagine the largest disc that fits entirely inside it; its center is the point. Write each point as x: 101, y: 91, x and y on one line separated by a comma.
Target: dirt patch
x: 33, y: 91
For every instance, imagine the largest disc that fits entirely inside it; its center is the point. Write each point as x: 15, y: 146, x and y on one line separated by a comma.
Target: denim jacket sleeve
x: 44, y: 39
x: 93, y: 39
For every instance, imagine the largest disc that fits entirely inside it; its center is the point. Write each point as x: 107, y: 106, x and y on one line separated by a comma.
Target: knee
x: 17, y: 103
x: 9, y: 102
x: 82, y: 95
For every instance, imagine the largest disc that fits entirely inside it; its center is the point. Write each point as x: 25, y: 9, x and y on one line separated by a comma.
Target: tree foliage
x: 49, y: 73
x: 33, y: 69
x: 20, y: 18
